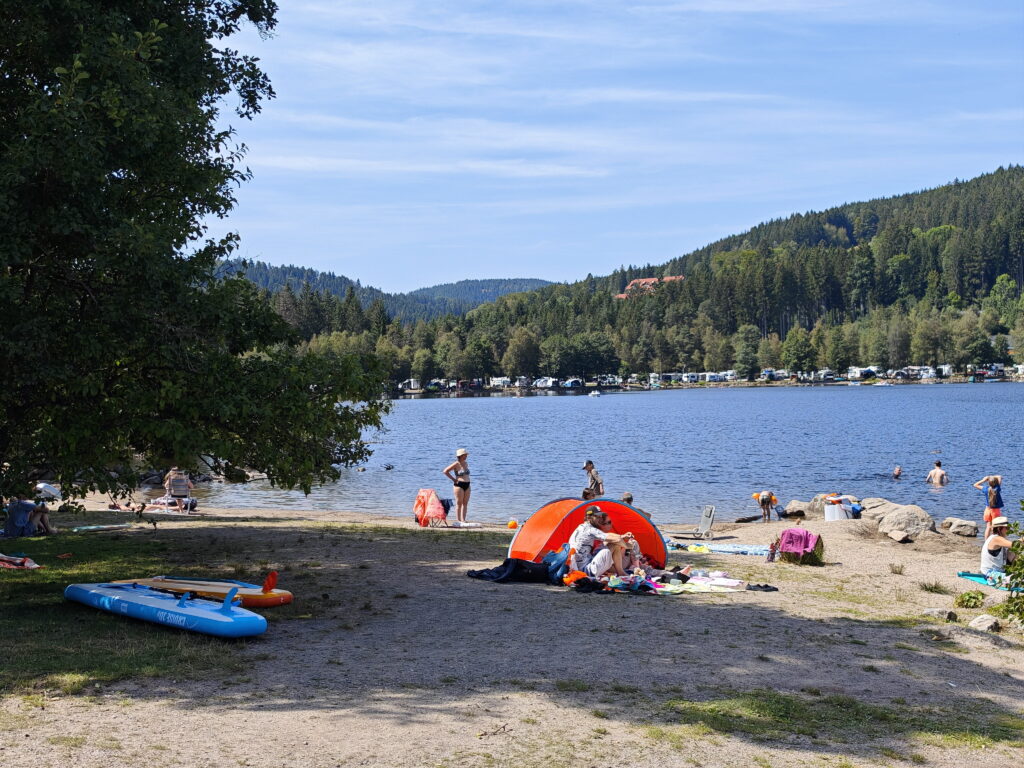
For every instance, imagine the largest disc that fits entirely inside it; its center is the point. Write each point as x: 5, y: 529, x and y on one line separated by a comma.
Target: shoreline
x: 634, y: 388
x: 391, y: 656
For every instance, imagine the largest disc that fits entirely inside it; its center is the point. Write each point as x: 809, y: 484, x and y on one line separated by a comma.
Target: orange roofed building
x: 644, y: 285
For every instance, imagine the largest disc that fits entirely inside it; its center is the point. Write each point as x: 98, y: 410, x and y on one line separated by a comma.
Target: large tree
x: 119, y: 342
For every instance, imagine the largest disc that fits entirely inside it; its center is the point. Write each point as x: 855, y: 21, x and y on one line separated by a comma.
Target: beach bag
x: 557, y: 563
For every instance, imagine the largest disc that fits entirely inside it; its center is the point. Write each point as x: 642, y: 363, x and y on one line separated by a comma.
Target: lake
x: 676, y: 450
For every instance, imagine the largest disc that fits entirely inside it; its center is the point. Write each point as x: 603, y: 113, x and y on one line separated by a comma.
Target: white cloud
x: 355, y: 166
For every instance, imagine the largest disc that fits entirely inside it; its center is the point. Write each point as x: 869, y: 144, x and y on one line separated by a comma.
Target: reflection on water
x: 677, y: 450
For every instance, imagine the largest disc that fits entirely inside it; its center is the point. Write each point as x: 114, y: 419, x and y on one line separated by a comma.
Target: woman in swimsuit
x: 993, y: 499
x: 458, y: 473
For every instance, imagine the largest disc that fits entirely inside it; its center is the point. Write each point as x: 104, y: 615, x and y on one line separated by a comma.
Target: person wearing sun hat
x: 458, y: 473
x: 996, y: 552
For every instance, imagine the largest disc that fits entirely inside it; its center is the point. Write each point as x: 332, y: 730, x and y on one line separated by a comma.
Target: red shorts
x: 991, y: 514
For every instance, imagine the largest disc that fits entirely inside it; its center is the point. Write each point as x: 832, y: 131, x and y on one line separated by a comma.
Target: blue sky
x: 414, y: 143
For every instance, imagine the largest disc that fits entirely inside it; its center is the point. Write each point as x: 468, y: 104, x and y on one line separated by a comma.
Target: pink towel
x: 798, y: 541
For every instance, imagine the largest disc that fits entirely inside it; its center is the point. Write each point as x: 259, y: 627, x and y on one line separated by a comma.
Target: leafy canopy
x: 120, y: 342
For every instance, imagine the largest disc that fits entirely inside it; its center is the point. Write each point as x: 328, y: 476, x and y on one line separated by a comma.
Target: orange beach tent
x: 550, y: 527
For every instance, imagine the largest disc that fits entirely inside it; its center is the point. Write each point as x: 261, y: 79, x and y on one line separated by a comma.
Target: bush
x: 971, y: 599
x: 1014, y: 605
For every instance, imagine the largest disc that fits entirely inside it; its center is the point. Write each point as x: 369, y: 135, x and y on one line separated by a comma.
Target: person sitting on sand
x: 997, y: 552
x: 938, y: 475
x: 627, y: 498
x: 595, y: 530
x: 36, y: 516
x: 993, y: 499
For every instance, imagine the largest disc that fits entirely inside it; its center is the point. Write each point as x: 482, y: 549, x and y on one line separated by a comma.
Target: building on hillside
x: 645, y: 285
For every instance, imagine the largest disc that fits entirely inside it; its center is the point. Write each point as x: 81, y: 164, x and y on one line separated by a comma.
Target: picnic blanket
x: 980, y: 578
x: 24, y: 563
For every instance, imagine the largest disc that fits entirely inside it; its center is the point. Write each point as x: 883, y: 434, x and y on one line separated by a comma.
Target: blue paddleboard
x: 210, y: 617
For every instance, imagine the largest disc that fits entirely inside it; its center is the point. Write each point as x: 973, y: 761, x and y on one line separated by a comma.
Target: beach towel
x: 21, y: 563
x: 760, y: 550
x: 798, y: 541
x: 980, y: 578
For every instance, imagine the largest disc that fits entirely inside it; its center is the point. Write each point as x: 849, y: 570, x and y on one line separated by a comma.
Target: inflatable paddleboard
x: 252, y: 595
x: 209, y: 617
x: 92, y: 528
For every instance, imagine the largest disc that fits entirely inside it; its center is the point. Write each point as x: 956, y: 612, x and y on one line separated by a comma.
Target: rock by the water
x: 960, y: 527
x: 941, y: 613
x: 908, y: 518
x: 985, y: 623
x: 795, y: 508
x: 899, y: 536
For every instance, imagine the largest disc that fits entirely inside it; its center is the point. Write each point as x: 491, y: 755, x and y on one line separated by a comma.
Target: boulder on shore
x: 908, y: 519
x: 986, y: 623
x: 960, y: 527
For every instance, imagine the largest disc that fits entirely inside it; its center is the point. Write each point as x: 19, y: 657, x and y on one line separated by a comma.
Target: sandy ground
x: 391, y: 656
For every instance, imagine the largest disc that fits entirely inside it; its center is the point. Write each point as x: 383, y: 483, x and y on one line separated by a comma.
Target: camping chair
x: 429, y: 510
x: 703, y: 529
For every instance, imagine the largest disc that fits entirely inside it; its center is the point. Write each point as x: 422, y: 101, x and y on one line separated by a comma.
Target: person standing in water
x: 897, y: 472
x: 595, y: 485
x: 938, y: 475
x: 458, y: 473
x: 993, y: 499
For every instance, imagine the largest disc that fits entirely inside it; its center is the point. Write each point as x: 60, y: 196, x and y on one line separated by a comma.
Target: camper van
x: 408, y: 384
x: 500, y: 382
x: 545, y: 382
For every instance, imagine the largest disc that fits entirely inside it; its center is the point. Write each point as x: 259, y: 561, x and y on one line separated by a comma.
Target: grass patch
x: 49, y: 643
x: 67, y: 741
x: 574, y: 686
x: 896, y: 569
x: 935, y: 587
x: 766, y: 715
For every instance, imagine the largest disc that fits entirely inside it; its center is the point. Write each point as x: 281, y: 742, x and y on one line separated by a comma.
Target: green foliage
x: 121, y: 340
x: 1014, y: 606
x: 970, y: 599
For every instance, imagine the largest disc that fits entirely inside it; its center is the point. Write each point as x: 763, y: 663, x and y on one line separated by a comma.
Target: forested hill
x: 421, y: 304
x: 985, y: 214
x: 925, y: 278
x: 472, y: 293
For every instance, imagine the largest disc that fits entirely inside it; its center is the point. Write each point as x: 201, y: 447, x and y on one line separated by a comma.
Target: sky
x: 417, y: 143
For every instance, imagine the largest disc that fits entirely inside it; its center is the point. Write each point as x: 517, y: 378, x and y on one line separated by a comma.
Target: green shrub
x: 971, y: 599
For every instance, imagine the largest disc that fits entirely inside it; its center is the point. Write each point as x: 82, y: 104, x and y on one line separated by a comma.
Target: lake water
x: 677, y: 450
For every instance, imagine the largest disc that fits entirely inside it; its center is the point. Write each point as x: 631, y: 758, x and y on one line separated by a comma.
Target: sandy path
x: 391, y: 656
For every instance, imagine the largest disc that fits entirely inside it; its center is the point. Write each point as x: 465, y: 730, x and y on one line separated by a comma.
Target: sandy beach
x: 392, y: 656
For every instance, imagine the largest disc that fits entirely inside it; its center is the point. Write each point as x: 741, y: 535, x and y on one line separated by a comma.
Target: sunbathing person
x: 595, y: 530
x: 996, y: 552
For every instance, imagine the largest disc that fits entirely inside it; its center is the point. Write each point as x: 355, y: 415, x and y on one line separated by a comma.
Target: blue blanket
x: 758, y: 550
x: 980, y: 578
